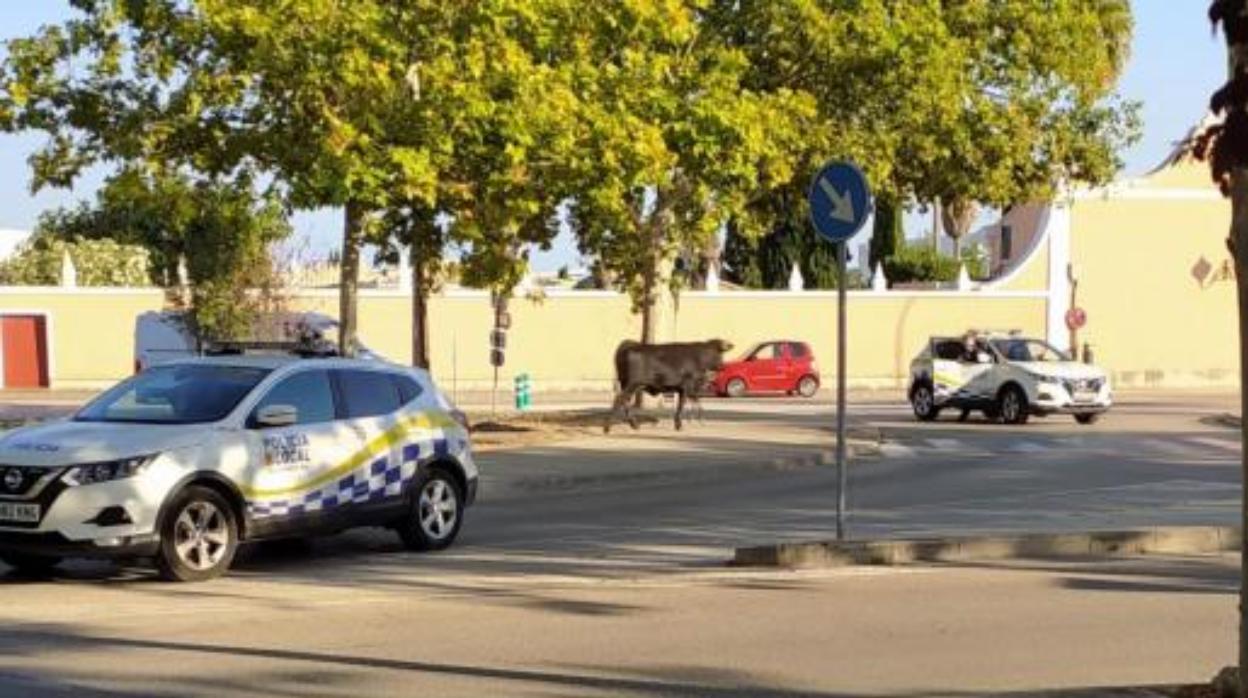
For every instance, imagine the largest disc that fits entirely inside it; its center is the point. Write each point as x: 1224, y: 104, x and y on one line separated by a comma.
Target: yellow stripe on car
x: 405, y: 429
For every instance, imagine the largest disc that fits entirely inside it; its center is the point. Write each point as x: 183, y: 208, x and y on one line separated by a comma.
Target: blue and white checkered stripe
x: 380, y: 479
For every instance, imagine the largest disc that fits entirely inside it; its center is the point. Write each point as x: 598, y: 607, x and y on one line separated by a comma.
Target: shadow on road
x: 301, y: 670
x: 1196, y: 574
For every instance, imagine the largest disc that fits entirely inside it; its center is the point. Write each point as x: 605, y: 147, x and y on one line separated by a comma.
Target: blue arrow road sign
x: 839, y: 201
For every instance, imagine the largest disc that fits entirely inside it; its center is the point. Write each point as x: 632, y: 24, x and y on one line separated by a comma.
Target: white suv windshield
x: 1027, y: 350
x: 175, y: 394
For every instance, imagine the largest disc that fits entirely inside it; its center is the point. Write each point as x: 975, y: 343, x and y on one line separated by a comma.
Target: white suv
x: 189, y: 458
x: 1007, y: 377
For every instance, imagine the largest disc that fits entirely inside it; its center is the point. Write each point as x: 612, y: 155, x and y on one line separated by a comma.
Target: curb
x: 1159, y: 540
x: 505, y: 488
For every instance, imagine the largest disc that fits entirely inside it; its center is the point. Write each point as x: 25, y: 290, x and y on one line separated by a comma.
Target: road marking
x: 1214, y: 442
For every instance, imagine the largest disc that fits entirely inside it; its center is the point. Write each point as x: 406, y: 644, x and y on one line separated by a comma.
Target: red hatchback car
x: 770, y: 367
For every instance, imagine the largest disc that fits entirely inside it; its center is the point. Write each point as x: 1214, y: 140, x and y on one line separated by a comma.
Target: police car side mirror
x: 276, y: 416
x: 983, y: 357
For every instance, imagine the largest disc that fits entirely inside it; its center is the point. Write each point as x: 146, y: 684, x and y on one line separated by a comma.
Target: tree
x: 957, y: 216
x: 315, y: 95
x: 1031, y: 109
x: 499, y: 112
x: 220, y: 230
x: 767, y: 261
x: 887, y: 234
x: 671, y: 143
x: 97, y: 263
x: 1225, y: 146
x: 980, y: 101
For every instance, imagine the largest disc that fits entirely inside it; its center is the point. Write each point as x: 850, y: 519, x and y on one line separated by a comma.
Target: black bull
x: 679, y: 367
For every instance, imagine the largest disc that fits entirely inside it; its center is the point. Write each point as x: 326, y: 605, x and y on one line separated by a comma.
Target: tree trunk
x: 647, y: 309
x: 420, y: 312
x: 1239, y: 239
x: 649, y: 280
x: 1237, y: 64
x: 348, y: 291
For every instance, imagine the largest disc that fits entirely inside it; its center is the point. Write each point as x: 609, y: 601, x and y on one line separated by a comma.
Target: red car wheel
x: 807, y: 386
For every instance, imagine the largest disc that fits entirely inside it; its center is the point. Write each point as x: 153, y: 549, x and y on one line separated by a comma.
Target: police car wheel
x: 198, y: 538
x: 24, y: 564
x: 1012, y: 406
x: 735, y: 388
x: 436, y: 513
x: 923, y: 401
x: 807, y: 386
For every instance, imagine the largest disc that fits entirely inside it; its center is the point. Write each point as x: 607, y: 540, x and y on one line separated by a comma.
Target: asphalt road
x: 619, y: 589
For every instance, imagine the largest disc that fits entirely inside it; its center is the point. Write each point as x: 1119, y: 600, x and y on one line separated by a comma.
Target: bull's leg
x: 630, y: 405
x: 621, y: 403
x: 680, y: 407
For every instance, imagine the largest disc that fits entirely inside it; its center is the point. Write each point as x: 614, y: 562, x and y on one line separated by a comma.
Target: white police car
x: 1006, y: 376
x: 185, y: 460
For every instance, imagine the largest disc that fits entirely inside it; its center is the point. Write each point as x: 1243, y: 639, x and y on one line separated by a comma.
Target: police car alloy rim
x: 922, y: 401
x: 437, y: 509
x: 1010, y: 406
x: 201, y: 536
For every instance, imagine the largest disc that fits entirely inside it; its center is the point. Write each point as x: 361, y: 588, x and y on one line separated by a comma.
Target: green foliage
x: 992, y: 102
x: 315, y: 95
x: 219, y: 229
x: 740, y: 261
x: 673, y: 144
x: 97, y: 263
x: 887, y: 235
x: 919, y: 264
x: 975, y: 257
x: 656, y: 122
x: 767, y: 262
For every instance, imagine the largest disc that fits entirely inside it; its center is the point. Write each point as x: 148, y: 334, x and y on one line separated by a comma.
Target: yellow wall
x: 1149, y: 320
x: 91, y: 335
x: 565, y: 341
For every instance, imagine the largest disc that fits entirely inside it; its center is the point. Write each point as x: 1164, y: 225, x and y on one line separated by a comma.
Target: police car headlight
x: 107, y: 471
x: 1042, y: 378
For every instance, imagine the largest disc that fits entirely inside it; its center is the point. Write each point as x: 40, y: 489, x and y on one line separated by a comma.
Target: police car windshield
x: 1027, y: 350
x: 175, y: 394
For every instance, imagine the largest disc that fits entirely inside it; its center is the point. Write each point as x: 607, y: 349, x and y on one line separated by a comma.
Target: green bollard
x: 523, y: 388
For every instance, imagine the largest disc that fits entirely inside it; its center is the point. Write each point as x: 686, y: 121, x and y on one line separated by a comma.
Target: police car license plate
x: 21, y: 513
x: 1084, y: 396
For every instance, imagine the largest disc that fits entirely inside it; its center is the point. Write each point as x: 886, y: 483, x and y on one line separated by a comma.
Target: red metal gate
x: 25, y: 344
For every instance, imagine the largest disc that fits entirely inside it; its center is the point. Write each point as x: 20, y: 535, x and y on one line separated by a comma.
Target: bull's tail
x: 621, y: 363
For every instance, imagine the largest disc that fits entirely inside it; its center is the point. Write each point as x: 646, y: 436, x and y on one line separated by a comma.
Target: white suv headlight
x: 106, y: 471
x: 1042, y: 378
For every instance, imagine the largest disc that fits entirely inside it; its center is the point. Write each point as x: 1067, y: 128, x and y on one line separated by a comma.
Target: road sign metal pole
x: 841, y: 476
x: 840, y: 202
